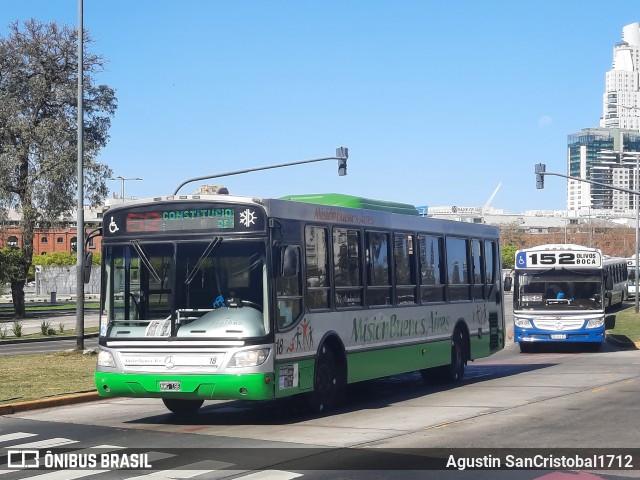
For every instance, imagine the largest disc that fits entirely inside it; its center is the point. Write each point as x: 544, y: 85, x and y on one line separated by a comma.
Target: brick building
x: 47, y: 240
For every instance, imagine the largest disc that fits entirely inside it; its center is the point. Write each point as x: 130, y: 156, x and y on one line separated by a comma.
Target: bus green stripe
x: 392, y: 361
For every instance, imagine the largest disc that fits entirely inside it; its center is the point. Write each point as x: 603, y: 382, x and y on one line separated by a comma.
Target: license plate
x: 558, y: 336
x: 170, y: 386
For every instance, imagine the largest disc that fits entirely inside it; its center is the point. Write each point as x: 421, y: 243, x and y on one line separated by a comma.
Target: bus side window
x: 405, y: 271
x: 378, y: 268
x: 288, y: 291
x: 478, y: 273
x: 347, y: 261
x: 490, y: 267
x: 458, y: 268
x: 432, y: 273
x: 317, y: 270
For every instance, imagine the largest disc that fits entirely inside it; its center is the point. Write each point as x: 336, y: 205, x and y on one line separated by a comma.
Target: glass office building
x: 607, y: 156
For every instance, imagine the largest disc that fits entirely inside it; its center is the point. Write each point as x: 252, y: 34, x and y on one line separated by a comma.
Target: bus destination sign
x: 558, y: 259
x: 184, y: 218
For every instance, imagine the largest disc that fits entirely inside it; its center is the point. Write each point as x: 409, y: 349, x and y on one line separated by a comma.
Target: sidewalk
x: 33, y: 324
x: 55, y: 318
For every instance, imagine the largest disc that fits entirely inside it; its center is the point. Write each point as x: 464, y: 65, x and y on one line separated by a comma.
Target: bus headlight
x: 595, y: 323
x: 523, y: 323
x: 105, y: 359
x: 249, y: 358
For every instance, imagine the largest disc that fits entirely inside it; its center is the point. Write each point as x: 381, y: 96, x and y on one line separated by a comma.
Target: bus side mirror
x: 86, y: 272
x: 508, y: 282
x: 290, y: 261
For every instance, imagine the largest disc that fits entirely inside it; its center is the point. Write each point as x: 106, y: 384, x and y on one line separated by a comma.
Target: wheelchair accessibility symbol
x: 113, y: 226
x: 521, y: 260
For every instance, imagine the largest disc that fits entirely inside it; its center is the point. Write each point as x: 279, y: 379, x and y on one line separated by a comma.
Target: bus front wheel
x: 525, y: 347
x: 182, y: 407
x: 327, y: 383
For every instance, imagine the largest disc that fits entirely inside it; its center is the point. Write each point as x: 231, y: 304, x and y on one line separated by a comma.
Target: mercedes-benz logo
x: 559, y: 326
x: 169, y: 362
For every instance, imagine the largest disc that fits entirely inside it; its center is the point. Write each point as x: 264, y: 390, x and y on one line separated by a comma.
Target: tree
x: 508, y: 255
x: 10, y: 264
x: 38, y: 130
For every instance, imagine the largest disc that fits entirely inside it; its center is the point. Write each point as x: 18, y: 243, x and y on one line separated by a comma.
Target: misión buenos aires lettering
x: 381, y: 328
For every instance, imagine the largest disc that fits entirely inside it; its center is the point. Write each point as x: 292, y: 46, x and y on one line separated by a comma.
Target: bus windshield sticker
x: 158, y: 328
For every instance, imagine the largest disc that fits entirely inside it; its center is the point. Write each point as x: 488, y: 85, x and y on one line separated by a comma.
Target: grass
x: 627, y: 326
x: 33, y: 377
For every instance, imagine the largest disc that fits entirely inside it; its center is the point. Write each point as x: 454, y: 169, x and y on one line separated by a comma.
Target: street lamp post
x: 80, y: 202
x: 637, y: 181
x: 122, y: 179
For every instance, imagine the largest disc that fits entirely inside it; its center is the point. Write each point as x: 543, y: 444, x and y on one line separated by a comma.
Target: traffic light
x: 342, y: 153
x: 540, y: 169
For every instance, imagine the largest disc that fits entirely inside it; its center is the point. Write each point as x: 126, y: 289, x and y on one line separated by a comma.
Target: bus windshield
x: 210, y: 289
x: 559, y: 289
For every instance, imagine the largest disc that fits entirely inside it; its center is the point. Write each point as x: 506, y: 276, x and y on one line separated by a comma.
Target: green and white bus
x: 209, y: 297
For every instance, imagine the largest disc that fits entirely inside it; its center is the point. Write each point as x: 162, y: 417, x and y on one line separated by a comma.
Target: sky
x: 438, y: 102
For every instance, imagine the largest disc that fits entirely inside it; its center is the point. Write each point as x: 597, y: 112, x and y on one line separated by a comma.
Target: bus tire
x: 525, y: 347
x: 591, y: 346
x: 326, y: 382
x: 458, y: 357
x: 181, y: 406
x: 454, y: 372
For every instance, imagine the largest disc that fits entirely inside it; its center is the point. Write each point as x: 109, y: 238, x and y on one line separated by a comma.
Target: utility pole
x: 80, y: 206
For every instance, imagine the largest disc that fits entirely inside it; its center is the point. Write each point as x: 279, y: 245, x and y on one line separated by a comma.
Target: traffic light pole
x: 342, y: 153
x: 540, y: 181
x: 540, y: 171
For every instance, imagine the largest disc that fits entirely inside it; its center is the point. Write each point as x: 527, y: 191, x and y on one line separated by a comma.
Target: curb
x: 48, y: 403
x: 614, y: 341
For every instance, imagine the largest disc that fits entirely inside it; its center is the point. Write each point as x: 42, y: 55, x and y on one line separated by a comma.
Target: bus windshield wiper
x: 215, y: 241
x: 145, y: 260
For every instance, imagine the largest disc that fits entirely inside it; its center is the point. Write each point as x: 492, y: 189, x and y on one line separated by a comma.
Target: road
x: 560, y: 398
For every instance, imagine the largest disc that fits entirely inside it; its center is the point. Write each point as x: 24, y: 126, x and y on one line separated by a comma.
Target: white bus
x: 561, y: 293
x: 631, y: 283
x: 225, y: 297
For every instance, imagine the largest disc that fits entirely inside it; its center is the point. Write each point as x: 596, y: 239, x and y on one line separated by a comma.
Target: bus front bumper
x: 532, y: 335
x: 257, y: 386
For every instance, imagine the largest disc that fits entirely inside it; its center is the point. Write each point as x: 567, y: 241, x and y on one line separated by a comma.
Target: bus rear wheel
x: 327, y: 383
x: 454, y: 372
x: 182, y: 407
x: 458, y: 358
